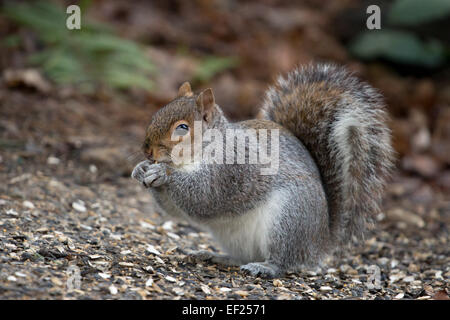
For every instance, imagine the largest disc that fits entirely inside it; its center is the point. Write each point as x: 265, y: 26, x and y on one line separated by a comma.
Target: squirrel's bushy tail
x: 342, y: 122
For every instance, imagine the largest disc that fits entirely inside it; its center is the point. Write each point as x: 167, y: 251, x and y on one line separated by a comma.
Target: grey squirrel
x: 334, y: 156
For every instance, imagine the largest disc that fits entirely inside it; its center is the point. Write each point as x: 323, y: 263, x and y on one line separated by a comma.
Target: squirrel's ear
x: 205, y: 101
x: 185, y: 90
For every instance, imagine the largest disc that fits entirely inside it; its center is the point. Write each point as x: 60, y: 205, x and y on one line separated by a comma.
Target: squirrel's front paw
x: 140, y: 169
x: 150, y: 174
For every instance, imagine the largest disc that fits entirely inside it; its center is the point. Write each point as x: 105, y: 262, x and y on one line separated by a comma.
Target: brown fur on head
x: 182, y: 111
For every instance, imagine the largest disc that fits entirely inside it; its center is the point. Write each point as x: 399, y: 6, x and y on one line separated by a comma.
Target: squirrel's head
x: 174, y: 123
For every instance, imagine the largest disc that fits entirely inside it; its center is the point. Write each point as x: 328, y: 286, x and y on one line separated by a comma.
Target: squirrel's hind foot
x: 261, y: 269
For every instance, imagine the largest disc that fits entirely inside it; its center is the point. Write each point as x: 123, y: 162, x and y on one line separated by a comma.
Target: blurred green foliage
x: 88, y: 57
x: 405, y: 46
x: 414, y: 12
x: 92, y: 56
x: 399, y: 46
x: 212, y: 65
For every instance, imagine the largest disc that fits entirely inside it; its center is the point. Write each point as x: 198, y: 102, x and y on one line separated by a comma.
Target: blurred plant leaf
x: 398, y: 46
x: 212, y: 65
x: 413, y: 12
x: 88, y: 57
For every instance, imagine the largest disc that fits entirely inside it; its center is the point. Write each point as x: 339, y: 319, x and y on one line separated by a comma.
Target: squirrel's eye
x: 182, y: 129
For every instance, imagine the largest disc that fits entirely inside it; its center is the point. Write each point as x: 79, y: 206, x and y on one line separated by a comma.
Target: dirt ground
x: 66, y: 200
x: 69, y: 210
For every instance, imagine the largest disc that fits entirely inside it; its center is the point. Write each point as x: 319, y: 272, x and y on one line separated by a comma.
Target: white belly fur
x: 246, y: 237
